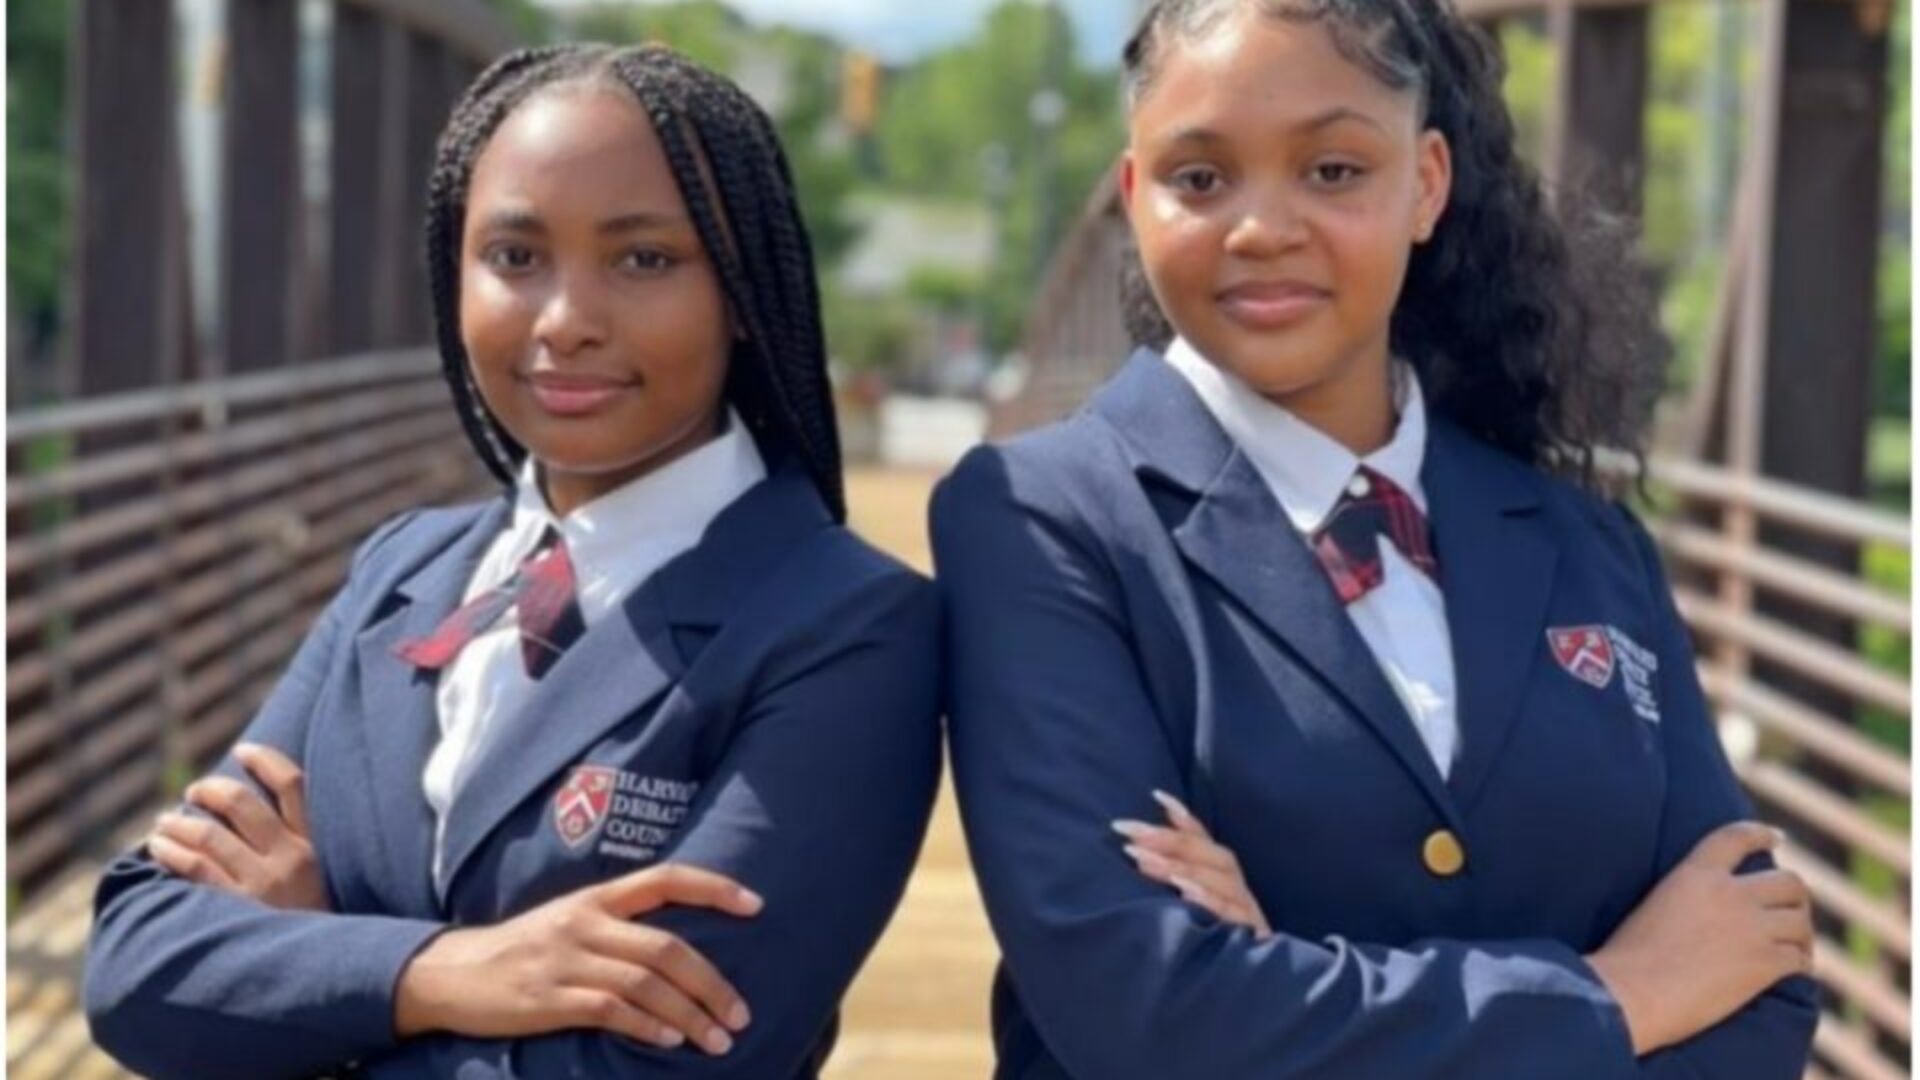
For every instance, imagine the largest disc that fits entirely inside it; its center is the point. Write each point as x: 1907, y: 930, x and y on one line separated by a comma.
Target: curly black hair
x: 733, y: 175
x: 1533, y: 331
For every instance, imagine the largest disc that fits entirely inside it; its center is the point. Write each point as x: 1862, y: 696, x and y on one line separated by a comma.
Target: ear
x: 1434, y: 174
x: 1128, y: 178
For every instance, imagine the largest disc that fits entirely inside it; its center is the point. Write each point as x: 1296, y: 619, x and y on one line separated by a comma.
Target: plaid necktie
x: 550, y: 617
x: 1347, y: 543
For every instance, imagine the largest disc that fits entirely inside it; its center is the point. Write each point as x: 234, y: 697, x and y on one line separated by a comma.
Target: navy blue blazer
x: 1129, y: 609
x: 775, y: 691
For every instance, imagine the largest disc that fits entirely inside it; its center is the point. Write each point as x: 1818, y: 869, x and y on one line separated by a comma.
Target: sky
x: 901, y: 31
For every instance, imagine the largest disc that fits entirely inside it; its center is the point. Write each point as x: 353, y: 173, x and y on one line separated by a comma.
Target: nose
x: 1267, y: 227
x: 574, y: 316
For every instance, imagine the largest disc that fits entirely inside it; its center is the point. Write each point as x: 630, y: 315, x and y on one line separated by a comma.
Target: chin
x: 575, y: 462
x: 1271, y: 365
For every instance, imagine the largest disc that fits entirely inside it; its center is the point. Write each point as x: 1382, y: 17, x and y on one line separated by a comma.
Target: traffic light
x: 860, y: 92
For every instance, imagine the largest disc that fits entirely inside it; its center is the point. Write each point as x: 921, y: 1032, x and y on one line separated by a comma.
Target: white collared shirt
x: 615, y: 543
x: 1404, y: 620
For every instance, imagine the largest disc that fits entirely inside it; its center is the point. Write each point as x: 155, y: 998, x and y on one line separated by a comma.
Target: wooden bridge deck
x: 918, y: 1009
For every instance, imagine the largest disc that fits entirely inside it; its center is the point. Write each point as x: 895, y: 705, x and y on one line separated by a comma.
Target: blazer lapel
x: 617, y: 668
x: 1238, y: 535
x: 1497, y: 562
x: 627, y: 660
x: 399, y: 723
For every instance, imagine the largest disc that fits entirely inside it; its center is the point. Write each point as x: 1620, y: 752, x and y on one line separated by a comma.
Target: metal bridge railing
x: 1789, y: 700
x: 166, y: 550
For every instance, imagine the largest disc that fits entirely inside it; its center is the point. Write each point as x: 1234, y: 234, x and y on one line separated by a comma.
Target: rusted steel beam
x: 470, y: 28
x: 262, y: 206
x: 1809, y: 583
x: 1825, y: 232
x: 1785, y: 504
x: 1839, y: 744
x: 218, y: 396
x: 423, y: 113
x: 1837, y: 672
x: 1814, y: 305
x: 247, y: 437
x: 1595, y: 136
x: 125, y: 288
x: 360, y: 90
x: 1882, y: 917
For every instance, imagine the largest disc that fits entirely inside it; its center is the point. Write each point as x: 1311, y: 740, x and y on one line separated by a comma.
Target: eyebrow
x: 1335, y: 115
x: 523, y: 221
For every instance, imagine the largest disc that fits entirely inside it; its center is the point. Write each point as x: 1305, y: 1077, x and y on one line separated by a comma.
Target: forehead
x: 575, y: 148
x: 1259, y: 70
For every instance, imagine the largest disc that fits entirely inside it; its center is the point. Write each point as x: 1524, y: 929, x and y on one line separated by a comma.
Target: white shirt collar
x: 618, y: 539
x: 1306, y: 468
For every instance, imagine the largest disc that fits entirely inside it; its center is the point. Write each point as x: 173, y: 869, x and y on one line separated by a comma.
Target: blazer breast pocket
x: 1603, y: 667
x: 1588, y: 751
x: 624, y: 815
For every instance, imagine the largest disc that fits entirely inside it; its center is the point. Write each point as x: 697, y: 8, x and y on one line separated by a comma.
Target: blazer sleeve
x: 1054, y: 736
x: 185, y: 980
x: 819, y: 803
x: 1772, y: 1036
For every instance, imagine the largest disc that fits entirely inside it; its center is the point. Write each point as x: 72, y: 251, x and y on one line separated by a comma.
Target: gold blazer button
x: 1443, y: 854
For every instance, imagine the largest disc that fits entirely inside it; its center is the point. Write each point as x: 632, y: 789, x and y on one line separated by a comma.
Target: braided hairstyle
x: 1535, y: 334
x: 734, y: 178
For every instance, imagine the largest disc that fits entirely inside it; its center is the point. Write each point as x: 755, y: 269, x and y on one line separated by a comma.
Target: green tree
x: 940, y: 117
x: 824, y: 170
x: 37, y: 165
x: 714, y: 34
x: 1893, y: 390
x: 706, y: 30
x: 532, y: 22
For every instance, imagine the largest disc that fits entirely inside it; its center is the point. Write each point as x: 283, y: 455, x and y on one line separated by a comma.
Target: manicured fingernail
x: 751, y: 900
x: 1173, y: 806
x: 1148, y: 861
x: 718, y: 1042
x: 1132, y: 830
x: 738, y: 1018
x: 672, y: 1039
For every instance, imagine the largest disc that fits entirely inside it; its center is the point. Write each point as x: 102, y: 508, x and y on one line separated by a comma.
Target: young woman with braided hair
x: 1313, y: 714
x: 622, y: 772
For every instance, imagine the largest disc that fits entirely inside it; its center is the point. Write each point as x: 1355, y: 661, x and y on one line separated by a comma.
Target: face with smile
x: 1276, y: 190
x: 594, y: 321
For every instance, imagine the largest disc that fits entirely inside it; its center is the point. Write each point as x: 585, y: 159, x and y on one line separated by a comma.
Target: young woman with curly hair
x: 1313, y: 713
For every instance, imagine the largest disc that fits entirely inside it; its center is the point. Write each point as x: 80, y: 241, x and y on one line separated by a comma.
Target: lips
x: 1271, y: 305
x: 573, y: 394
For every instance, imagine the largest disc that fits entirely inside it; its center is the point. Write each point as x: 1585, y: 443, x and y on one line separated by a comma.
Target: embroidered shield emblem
x: 582, y: 802
x: 1585, y: 652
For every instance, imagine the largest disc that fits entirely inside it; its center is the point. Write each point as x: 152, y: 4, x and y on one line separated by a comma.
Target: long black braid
x: 1534, y: 333
x: 734, y: 177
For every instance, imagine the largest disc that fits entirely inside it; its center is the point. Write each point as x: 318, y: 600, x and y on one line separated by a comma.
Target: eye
x: 509, y: 258
x: 646, y: 261
x: 1197, y: 180
x: 1336, y: 173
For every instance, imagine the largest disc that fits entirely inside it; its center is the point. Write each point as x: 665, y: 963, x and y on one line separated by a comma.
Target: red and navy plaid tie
x: 550, y: 617
x: 1348, y: 542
